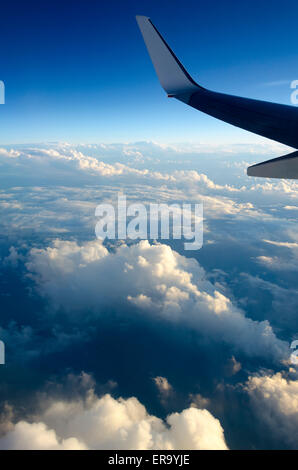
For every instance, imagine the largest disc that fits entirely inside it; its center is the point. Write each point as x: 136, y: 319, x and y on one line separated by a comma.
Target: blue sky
x: 79, y: 71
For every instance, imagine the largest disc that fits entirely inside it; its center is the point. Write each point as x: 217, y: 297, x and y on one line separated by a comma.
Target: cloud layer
x: 156, y: 280
x: 209, y: 328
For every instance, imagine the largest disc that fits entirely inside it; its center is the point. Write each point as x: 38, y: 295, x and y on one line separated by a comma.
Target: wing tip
x: 142, y: 18
x: 172, y: 75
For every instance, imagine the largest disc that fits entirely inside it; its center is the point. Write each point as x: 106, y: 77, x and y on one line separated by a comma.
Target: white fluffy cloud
x: 74, y: 161
x: 107, y: 423
x: 155, y: 279
x: 275, y: 400
x: 37, y: 436
x: 135, y: 160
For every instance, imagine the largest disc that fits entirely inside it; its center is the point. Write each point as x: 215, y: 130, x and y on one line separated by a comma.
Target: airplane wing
x: 281, y: 167
x: 275, y: 121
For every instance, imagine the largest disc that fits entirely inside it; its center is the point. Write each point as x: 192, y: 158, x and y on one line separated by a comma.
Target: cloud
x: 291, y: 208
x: 13, y: 258
x: 163, y: 385
x: 165, y: 390
x: 9, y: 153
x: 285, y: 244
x: 233, y: 366
x: 121, y: 162
x: 198, y: 401
x: 281, y: 186
x: 274, y: 399
x: 277, y: 302
x: 156, y: 280
x: 52, y: 160
x: 109, y: 423
x: 37, y: 436
x: 284, y: 261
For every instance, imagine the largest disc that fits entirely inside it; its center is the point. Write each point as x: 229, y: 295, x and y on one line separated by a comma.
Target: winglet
x: 172, y: 75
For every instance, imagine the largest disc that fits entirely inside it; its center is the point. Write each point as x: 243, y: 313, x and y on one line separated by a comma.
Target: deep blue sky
x: 79, y: 71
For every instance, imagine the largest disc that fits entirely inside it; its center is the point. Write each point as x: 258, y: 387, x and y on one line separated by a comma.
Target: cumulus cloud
x: 9, y: 153
x: 284, y: 186
x: 37, y: 436
x: 75, y: 161
x: 109, y: 423
x: 274, y: 399
x: 157, y: 281
x: 125, y: 161
x: 142, y: 161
